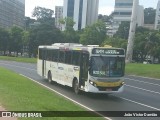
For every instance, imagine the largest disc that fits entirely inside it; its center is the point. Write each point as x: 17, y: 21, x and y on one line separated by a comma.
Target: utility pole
x: 132, y: 32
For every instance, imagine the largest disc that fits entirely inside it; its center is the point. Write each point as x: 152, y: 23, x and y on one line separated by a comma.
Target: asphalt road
x: 140, y: 94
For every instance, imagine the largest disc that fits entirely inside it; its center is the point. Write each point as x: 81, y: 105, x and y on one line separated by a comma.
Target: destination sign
x: 103, y: 51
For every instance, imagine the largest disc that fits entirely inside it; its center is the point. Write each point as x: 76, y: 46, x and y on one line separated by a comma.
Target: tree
x: 25, y: 40
x: 153, y: 44
x: 94, y: 34
x: 70, y: 35
x: 43, y: 34
x: 4, y: 40
x: 16, y: 43
x: 140, y: 52
x: 149, y: 15
x: 104, y: 18
x: 147, y: 43
x: 28, y: 22
x: 123, y: 30
x: 43, y: 15
x: 115, y: 42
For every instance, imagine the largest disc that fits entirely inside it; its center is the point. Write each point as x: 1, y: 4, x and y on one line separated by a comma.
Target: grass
x: 19, y: 59
x: 18, y: 93
x: 146, y: 70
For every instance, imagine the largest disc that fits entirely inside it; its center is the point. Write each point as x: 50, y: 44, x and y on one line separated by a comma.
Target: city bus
x: 84, y: 68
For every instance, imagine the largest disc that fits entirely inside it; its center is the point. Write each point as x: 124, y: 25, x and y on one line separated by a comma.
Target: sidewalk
x: 7, y: 118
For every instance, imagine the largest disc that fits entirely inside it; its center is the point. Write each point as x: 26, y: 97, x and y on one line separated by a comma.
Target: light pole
x: 132, y: 32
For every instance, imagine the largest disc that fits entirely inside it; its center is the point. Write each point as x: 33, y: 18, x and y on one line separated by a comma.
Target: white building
x: 157, y: 19
x: 123, y: 12
x: 83, y: 12
x: 58, y: 16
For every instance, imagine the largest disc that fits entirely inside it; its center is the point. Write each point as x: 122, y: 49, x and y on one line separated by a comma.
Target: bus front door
x: 84, y: 68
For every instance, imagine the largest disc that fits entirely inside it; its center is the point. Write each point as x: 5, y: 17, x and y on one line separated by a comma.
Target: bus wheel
x: 76, y: 87
x: 49, y: 77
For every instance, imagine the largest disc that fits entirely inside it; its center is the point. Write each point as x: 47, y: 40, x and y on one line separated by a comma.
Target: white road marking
x: 140, y: 103
x: 67, y: 97
x: 142, y: 81
x: 144, y: 77
x: 19, y: 67
x: 142, y: 89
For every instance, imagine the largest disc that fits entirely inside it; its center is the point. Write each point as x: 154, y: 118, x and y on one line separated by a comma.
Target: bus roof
x: 75, y: 46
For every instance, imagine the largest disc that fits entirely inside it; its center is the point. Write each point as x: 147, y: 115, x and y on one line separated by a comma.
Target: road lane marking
x: 140, y: 103
x: 142, y: 81
x: 66, y: 97
x: 19, y: 67
x: 144, y: 77
x: 143, y: 89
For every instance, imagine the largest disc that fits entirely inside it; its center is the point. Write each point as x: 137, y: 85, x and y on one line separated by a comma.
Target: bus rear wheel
x: 76, y: 87
x: 49, y: 77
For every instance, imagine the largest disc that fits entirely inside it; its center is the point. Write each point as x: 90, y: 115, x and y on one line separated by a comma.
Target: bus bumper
x: 93, y: 89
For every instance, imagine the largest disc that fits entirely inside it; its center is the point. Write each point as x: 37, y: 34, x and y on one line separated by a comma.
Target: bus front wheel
x: 76, y: 87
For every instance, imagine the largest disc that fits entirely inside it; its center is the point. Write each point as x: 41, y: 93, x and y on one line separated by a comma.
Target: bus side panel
x: 54, y: 71
x: 66, y: 74
x: 39, y: 67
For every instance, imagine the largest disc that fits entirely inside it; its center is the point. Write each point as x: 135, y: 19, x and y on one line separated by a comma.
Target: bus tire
x: 76, y: 87
x: 49, y: 77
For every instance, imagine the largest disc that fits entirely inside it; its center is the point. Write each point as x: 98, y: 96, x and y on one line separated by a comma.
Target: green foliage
x: 140, y: 51
x: 16, y: 42
x: 42, y: 13
x: 28, y: 22
x: 105, y: 18
x: 25, y: 38
x: 69, y: 23
x: 147, y: 43
x: 70, y: 35
x: 94, y: 34
x: 149, y: 15
x: 4, y: 40
x: 116, y: 42
x: 123, y: 30
x: 43, y: 34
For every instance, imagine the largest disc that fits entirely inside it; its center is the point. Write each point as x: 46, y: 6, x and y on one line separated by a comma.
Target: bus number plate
x: 108, y: 89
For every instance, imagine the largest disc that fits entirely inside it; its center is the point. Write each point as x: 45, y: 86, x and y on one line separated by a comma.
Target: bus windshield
x: 102, y: 66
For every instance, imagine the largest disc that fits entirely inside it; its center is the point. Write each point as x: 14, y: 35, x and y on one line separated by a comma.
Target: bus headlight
x: 122, y: 83
x: 92, y: 83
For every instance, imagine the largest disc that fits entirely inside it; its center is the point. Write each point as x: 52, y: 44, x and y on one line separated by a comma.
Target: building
x: 157, y: 19
x: 12, y: 12
x: 149, y: 26
x: 123, y: 12
x: 58, y: 16
x: 83, y: 12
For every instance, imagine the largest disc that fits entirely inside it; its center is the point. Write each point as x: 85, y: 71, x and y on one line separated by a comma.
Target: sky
x: 105, y: 6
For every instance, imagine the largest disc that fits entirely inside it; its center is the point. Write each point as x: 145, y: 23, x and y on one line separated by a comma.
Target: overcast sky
x: 105, y: 6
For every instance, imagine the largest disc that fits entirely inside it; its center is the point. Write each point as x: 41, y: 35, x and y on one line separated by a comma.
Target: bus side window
x: 44, y: 54
x: 54, y: 55
x: 49, y: 55
x: 76, y: 58
x: 68, y: 56
x: 40, y: 53
x: 61, y: 56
